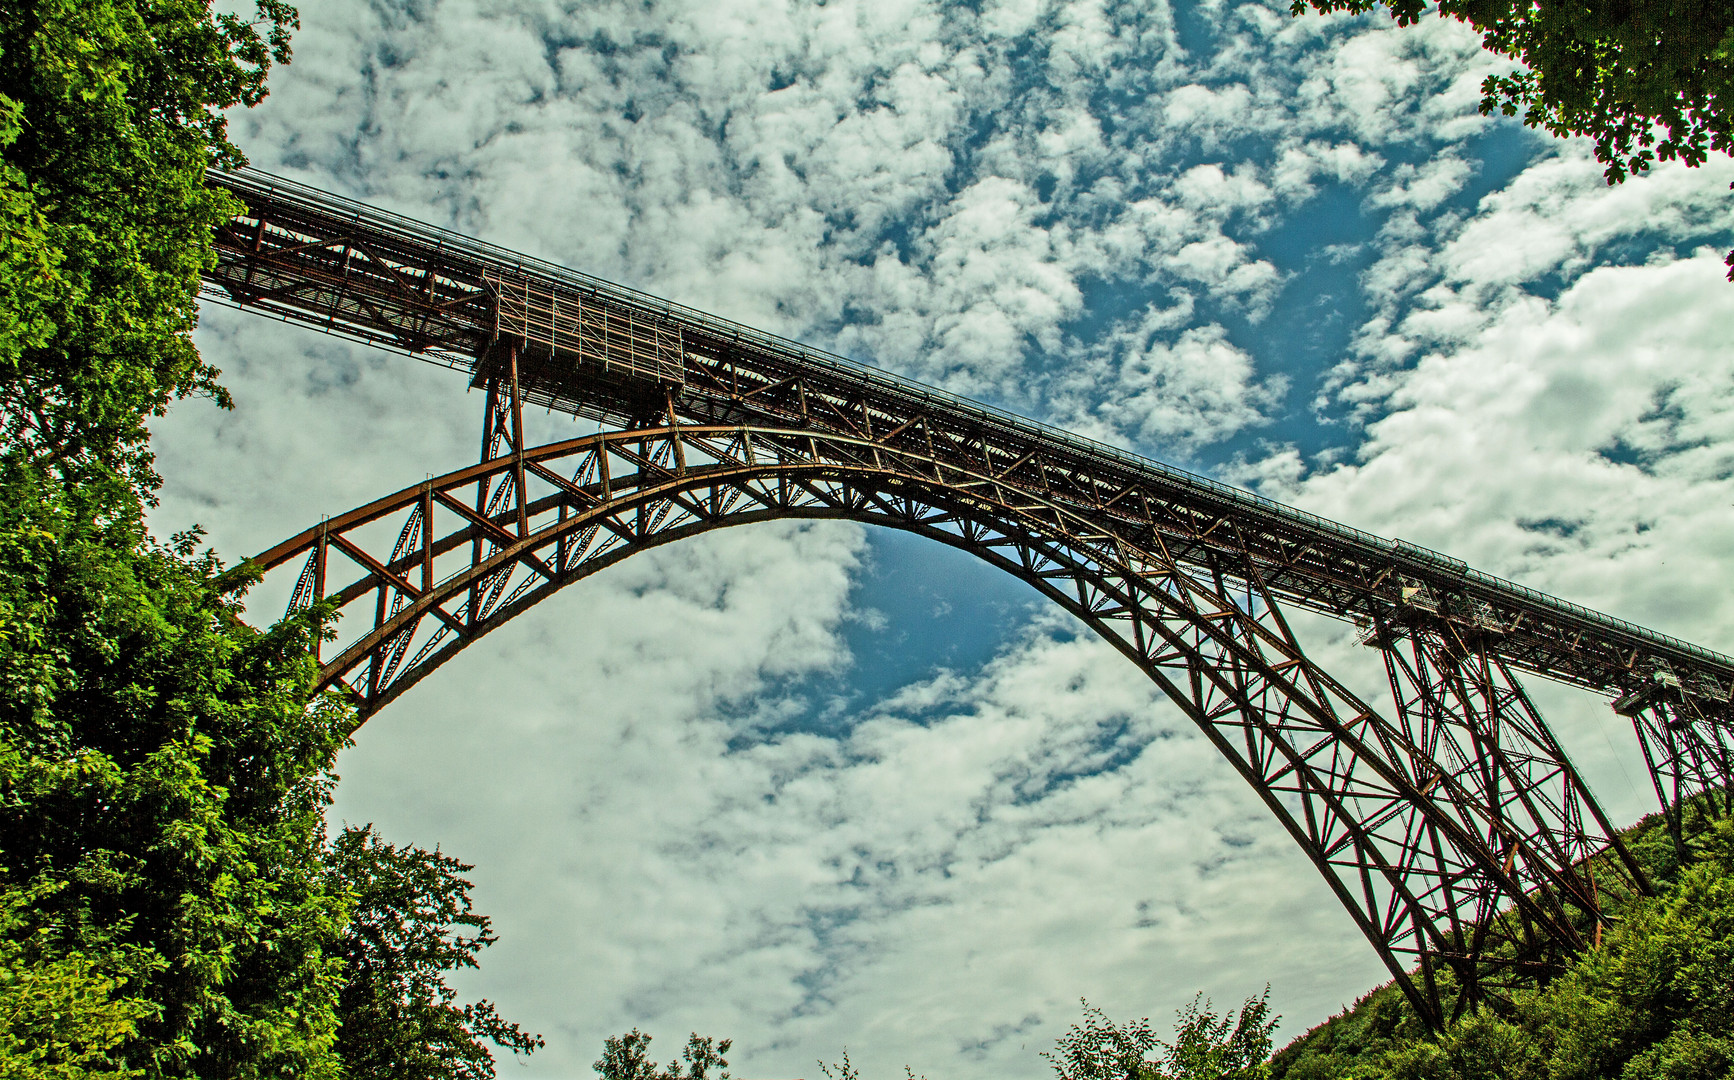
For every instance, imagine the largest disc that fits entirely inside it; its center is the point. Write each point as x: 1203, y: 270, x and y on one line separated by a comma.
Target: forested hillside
x: 170, y: 903
x: 1656, y: 999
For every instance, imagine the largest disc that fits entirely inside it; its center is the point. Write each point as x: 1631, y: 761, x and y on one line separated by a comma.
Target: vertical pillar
x: 484, y: 489
x: 674, y: 435
x: 427, y: 553
x: 516, y: 434
x: 1689, y: 756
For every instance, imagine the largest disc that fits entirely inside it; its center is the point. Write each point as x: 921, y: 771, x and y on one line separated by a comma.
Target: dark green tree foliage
x: 165, y: 905
x: 1205, y: 1047
x: 159, y: 789
x: 1646, y: 80
x: 407, y: 932
x: 627, y: 1057
x: 109, y: 113
x: 1655, y: 1000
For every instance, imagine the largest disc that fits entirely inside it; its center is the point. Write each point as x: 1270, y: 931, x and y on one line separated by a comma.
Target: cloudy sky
x: 817, y: 786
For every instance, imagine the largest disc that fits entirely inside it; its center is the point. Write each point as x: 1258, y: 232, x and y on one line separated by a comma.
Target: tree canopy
x: 407, y: 931
x: 627, y: 1057
x: 161, y: 793
x: 110, y: 110
x: 169, y: 904
x: 1233, y: 1046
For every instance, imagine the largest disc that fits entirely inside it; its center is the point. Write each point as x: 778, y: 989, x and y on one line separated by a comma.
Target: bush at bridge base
x: 1655, y: 1000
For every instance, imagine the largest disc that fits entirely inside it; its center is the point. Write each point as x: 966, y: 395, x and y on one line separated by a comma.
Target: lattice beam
x: 1423, y: 848
x: 1455, y: 832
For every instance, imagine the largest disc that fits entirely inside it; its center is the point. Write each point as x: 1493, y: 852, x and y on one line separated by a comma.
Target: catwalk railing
x: 1428, y: 824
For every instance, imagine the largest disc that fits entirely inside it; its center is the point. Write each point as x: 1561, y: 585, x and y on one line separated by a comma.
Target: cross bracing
x: 1450, y: 824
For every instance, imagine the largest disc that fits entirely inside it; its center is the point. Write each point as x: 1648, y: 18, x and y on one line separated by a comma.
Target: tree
x: 161, y: 790
x: 1646, y: 80
x: 627, y: 1057
x: 846, y: 1071
x: 1205, y: 1046
x: 1100, y: 1049
x: 397, y: 1016
x: 61, y: 1011
x: 166, y: 907
x: 110, y: 110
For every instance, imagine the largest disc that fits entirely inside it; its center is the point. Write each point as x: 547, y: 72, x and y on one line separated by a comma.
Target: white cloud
x: 1558, y: 212
x: 1424, y: 188
x: 1180, y: 392
x: 1440, y: 283
x: 1298, y: 165
x: 1580, y: 445
x: 934, y: 888
x: 1386, y: 83
x: 1213, y: 114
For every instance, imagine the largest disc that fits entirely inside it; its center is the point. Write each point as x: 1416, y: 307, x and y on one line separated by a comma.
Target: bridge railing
x: 1411, y: 558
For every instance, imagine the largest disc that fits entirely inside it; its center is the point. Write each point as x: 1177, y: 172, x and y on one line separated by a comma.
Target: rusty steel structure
x: 1451, y: 823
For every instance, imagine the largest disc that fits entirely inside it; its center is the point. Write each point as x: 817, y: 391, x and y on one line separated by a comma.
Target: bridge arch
x: 1456, y: 836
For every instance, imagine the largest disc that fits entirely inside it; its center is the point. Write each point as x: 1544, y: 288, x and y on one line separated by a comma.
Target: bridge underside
x: 1452, y: 827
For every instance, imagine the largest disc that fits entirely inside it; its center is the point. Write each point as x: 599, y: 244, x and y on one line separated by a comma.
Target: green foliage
x: 1646, y: 80
x: 1099, y: 1049
x: 166, y: 904
x: 62, y: 1011
x: 160, y: 791
x: 1376, y: 1024
x: 406, y: 932
x: 160, y: 786
x: 1656, y: 999
x: 110, y: 110
x: 627, y: 1057
x: 1205, y: 1046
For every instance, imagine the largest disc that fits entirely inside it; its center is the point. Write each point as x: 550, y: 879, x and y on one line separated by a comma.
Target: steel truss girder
x: 1690, y: 757
x: 1178, y: 571
x: 1442, y: 864
x: 1461, y: 702
x: 349, y: 269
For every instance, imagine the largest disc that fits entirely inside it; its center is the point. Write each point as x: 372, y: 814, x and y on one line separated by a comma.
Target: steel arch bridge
x: 1451, y: 825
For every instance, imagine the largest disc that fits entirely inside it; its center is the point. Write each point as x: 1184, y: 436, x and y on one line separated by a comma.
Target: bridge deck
x: 348, y: 269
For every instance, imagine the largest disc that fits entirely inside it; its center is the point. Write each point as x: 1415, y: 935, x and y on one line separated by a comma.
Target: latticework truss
x: 1451, y: 826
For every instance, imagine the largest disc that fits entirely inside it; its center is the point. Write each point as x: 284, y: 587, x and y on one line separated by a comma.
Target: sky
x: 816, y: 786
